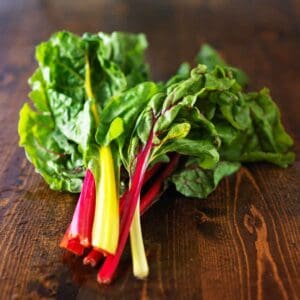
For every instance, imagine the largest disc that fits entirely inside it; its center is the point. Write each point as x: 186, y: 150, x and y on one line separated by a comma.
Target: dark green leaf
x: 194, y: 181
x: 211, y: 58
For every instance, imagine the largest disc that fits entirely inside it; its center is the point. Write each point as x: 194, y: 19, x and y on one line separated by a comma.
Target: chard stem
x: 156, y: 189
x: 93, y: 258
x: 110, y: 265
x: 89, y: 90
x: 105, y: 233
x: 71, y: 244
x: 82, y: 221
x: 139, y: 259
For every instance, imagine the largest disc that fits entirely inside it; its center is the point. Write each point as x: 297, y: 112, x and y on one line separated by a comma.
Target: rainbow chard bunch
x: 99, y: 127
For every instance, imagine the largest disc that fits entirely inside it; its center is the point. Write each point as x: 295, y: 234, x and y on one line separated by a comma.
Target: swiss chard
x: 95, y: 113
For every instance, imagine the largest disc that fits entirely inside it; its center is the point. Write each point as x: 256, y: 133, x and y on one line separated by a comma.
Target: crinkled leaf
x: 126, y: 107
x: 253, y: 131
x: 182, y: 73
x: 281, y: 159
x: 127, y: 51
x: 163, y: 121
x: 53, y: 156
x: 267, y: 124
x: 194, y: 181
x: 211, y: 58
x: 205, y: 151
x: 75, y: 79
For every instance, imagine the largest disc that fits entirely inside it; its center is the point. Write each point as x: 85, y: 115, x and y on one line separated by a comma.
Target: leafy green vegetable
x: 68, y: 63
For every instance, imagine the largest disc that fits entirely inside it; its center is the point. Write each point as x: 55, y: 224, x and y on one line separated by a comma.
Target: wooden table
x: 240, y: 243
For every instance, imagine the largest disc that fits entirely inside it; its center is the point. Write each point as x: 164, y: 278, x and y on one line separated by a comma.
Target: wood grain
x: 241, y: 243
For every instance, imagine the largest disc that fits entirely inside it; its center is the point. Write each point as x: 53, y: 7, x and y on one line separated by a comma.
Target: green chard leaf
x: 194, y: 181
x: 75, y: 79
x: 119, y: 116
x: 164, y: 121
x: 252, y: 131
x: 182, y: 73
x: 54, y: 157
x: 247, y: 127
x: 211, y: 58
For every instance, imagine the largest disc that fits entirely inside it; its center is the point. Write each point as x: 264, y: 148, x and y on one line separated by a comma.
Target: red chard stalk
x: 82, y: 222
x: 71, y: 244
x: 93, y: 258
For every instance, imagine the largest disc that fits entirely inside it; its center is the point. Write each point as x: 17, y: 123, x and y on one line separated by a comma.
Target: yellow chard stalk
x: 105, y: 233
x: 139, y: 259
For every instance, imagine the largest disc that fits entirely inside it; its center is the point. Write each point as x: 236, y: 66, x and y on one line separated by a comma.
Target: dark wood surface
x: 241, y: 243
